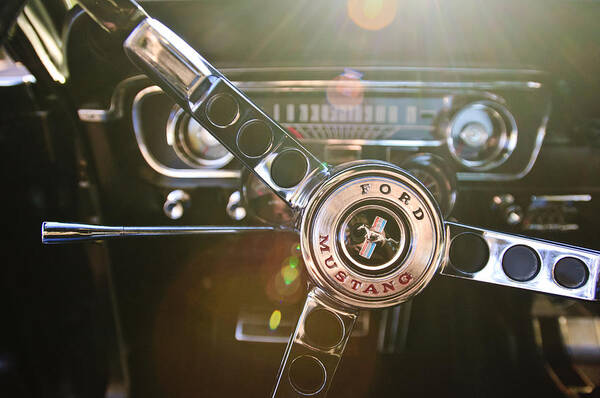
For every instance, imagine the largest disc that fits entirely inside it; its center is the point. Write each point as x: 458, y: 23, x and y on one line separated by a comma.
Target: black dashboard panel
x: 280, y: 33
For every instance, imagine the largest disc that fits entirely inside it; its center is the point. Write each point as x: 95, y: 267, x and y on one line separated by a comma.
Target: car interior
x: 353, y: 198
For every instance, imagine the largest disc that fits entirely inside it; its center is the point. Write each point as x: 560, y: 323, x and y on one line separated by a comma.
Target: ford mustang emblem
x: 373, y: 236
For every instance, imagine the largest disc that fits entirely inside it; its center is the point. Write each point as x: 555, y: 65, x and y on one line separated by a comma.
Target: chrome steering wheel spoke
x: 252, y: 136
x: 525, y: 263
x: 315, y: 348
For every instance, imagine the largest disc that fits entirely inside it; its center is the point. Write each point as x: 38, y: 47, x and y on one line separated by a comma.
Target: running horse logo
x: 373, y: 236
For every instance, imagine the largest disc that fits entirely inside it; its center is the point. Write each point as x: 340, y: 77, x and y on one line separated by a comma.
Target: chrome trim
x: 38, y: 27
x: 176, y: 203
x: 152, y: 161
x: 562, y: 198
x: 391, y: 143
x: 549, y: 254
x: 117, y: 103
x: 539, y: 140
x: 168, y: 59
x: 14, y: 73
x: 339, y: 68
x: 300, y: 345
x: 191, y: 81
x: 11, y: 81
x: 378, y: 85
x: 506, y: 144
x: 58, y: 232
x: 321, y: 84
x: 235, y: 208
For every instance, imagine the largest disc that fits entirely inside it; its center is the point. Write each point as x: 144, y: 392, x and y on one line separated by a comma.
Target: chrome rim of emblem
x: 372, y: 236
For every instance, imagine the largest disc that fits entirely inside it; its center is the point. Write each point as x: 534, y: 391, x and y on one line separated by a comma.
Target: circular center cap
x: 372, y: 236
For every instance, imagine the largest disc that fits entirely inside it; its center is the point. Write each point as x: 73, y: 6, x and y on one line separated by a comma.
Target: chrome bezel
x: 155, y: 164
x: 427, y: 240
x: 507, y: 142
x: 176, y: 128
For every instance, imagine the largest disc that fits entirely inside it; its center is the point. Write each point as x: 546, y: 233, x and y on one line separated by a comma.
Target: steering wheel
x: 371, y: 235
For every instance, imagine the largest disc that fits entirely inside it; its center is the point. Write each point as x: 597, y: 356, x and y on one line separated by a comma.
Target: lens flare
x: 275, y: 320
x: 372, y: 14
x: 286, y: 281
x: 345, y: 93
x: 292, y: 261
x: 289, y: 274
x: 295, y: 249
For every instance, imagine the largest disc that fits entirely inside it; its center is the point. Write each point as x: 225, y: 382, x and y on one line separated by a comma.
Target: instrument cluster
x: 486, y: 127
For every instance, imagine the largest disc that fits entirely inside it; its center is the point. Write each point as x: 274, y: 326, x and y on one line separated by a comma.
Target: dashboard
x: 481, y: 125
x: 487, y: 129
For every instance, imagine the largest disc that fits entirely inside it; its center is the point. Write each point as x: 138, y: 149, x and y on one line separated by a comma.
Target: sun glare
x: 372, y: 14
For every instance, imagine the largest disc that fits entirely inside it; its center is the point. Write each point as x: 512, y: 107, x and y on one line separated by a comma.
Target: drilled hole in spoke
x: 571, y: 272
x: 254, y: 138
x: 222, y: 110
x: 307, y: 375
x: 289, y: 168
x: 323, y: 328
x: 521, y: 263
x: 469, y: 252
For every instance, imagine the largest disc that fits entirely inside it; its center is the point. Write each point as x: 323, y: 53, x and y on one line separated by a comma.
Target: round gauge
x: 482, y: 135
x: 438, y: 176
x: 193, y: 143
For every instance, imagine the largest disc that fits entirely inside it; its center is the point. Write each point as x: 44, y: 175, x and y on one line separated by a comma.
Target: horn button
x: 372, y: 236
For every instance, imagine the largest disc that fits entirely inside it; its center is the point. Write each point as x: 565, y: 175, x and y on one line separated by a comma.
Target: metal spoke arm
x: 58, y: 232
x: 315, y: 348
x: 261, y: 144
x: 525, y: 263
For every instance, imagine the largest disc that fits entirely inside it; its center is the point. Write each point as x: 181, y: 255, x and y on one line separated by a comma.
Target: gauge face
x: 193, y: 143
x: 202, y: 144
x: 482, y: 135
